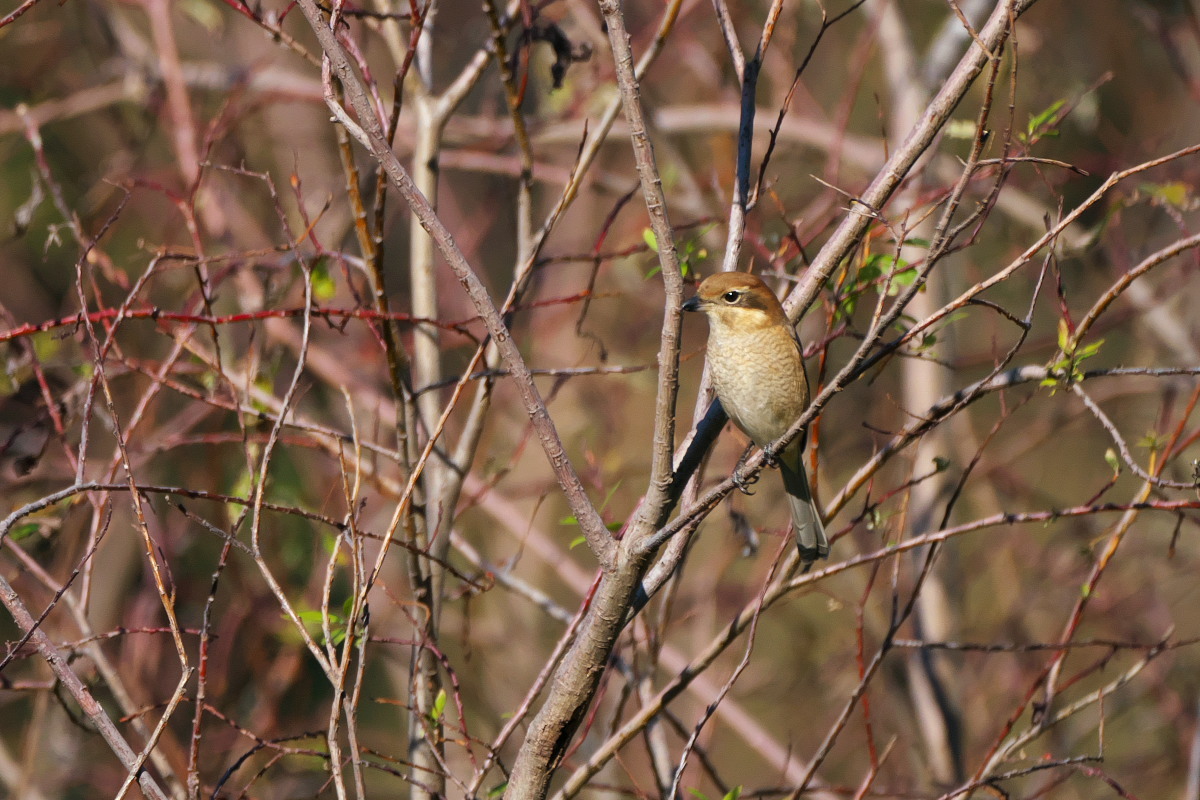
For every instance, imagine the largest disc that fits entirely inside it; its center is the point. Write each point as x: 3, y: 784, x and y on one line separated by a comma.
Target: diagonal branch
x: 370, y: 134
x: 863, y: 210
x: 91, y: 707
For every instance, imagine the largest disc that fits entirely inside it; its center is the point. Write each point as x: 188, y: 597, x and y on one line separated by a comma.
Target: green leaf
x: 24, y: 531
x: 266, y: 388
x: 578, y: 540
x: 898, y: 271
x: 734, y: 793
x: 1110, y: 458
x: 1174, y: 193
x: 876, y: 518
x: 311, y: 617
x: 47, y: 347
x: 1087, y: 351
x: 650, y: 239
x: 497, y: 790
x: 439, y: 706
x: 324, y: 285
x: 314, y: 621
x: 1041, y: 123
x: 691, y: 250
x: 846, y: 307
x: 846, y: 303
x: 697, y: 793
x: 901, y: 279
x: 609, y: 496
x: 884, y: 262
x: 1152, y: 441
x: 868, y: 273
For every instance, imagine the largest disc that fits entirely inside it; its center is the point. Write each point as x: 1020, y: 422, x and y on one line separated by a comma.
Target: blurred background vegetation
x: 172, y: 169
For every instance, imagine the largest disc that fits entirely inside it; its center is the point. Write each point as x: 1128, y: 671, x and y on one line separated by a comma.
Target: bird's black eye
x: 731, y: 296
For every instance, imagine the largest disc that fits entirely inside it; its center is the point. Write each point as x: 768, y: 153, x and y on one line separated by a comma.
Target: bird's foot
x: 769, y: 457
x: 744, y: 482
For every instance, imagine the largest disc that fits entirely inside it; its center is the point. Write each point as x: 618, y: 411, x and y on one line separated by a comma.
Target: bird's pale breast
x: 759, y: 377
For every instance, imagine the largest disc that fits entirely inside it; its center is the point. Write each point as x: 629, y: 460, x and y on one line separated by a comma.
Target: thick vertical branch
x: 553, y: 727
x: 668, y: 259
x: 574, y: 684
x: 424, y: 745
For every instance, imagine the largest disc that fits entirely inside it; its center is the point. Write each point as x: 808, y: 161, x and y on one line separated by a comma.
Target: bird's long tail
x: 806, y: 519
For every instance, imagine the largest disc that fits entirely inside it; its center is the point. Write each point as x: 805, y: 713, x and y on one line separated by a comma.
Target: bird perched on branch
x: 757, y: 368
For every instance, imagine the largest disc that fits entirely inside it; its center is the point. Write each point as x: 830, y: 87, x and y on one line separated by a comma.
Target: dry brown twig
x: 405, y: 475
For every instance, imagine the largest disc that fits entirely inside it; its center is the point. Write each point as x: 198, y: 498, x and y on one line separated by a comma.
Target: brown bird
x: 757, y: 368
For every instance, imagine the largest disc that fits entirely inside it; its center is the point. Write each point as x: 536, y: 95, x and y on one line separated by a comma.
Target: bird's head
x: 737, y: 300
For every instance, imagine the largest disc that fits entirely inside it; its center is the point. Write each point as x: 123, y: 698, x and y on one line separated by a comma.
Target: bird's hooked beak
x: 692, y: 304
